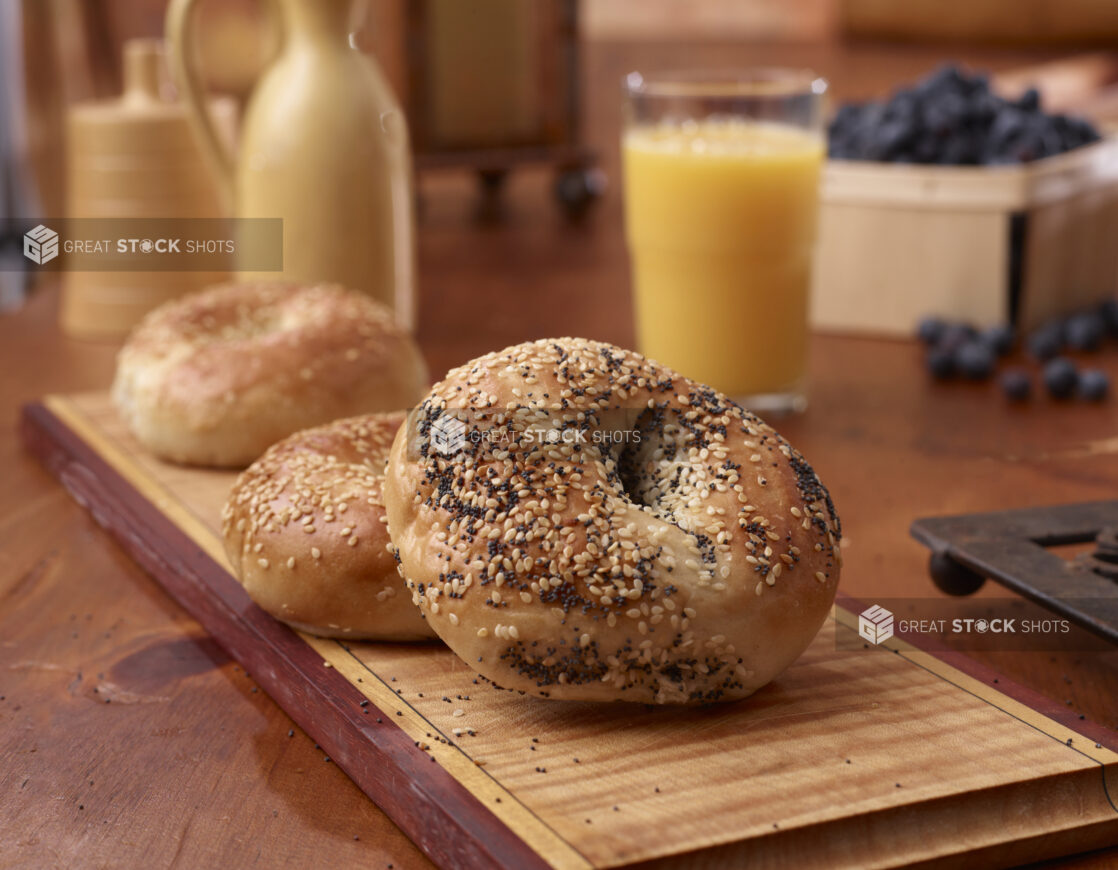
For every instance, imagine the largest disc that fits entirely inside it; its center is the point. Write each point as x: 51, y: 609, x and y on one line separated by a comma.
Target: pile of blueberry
x: 958, y: 350
x: 953, y: 118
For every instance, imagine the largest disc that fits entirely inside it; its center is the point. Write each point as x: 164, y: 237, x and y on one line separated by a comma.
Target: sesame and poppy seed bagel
x: 216, y: 377
x: 579, y: 522
x: 306, y: 534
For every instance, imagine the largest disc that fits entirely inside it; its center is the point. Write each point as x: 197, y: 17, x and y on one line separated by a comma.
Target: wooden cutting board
x: 860, y: 756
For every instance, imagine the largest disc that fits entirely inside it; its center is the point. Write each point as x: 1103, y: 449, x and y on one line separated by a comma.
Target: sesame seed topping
x: 294, y: 486
x: 619, y: 557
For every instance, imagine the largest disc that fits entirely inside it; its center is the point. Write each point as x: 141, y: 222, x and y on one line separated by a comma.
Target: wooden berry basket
x: 984, y: 244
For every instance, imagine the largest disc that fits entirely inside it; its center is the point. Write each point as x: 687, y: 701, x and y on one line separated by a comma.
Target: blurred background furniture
x: 488, y: 86
x: 498, y: 84
x: 493, y: 85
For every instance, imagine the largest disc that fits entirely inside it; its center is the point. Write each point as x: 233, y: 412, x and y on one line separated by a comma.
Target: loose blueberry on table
x: 1094, y: 385
x: 956, y: 349
x: 1060, y: 377
x: 1016, y: 384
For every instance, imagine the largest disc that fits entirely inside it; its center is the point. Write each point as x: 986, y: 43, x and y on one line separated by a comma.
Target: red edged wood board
x: 858, y: 757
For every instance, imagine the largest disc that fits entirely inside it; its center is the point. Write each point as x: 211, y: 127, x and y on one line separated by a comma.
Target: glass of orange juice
x: 721, y: 182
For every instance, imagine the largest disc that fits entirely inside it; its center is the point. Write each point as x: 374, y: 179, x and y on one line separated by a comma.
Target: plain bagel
x: 579, y: 522
x: 305, y: 533
x: 216, y: 377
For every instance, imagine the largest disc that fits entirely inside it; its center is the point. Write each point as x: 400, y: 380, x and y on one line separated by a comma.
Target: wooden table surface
x: 129, y: 739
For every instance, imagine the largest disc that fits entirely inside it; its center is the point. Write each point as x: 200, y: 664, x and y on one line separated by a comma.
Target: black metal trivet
x: 1009, y: 547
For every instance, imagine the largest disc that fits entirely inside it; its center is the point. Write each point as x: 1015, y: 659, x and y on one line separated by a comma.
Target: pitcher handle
x: 181, y: 32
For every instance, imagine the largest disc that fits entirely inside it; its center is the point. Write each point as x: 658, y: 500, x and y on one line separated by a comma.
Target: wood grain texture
x: 129, y: 737
x: 193, y: 570
x: 891, y: 446
x: 892, y: 738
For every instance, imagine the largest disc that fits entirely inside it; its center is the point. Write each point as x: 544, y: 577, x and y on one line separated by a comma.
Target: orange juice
x: 720, y: 220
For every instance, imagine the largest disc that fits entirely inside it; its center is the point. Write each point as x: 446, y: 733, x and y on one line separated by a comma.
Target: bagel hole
x: 635, y: 473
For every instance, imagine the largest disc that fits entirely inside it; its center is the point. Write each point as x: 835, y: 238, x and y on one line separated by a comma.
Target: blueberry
x: 991, y: 159
x: 1094, y: 384
x: 1050, y: 141
x: 904, y: 106
x: 1075, y: 132
x: 983, y: 107
x: 975, y: 360
x: 1087, y: 131
x: 999, y: 338
x: 955, y: 335
x: 846, y: 118
x: 940, y: 362
x: 1047, y: 341
x: 1016, y: 384
x: 1060, y: 377
x: 890, y: 138
x: 930, y: 330
x: 1084, y: 331
x: 1109, y: 313
x: 1029, y: 101
x: 943, y: 116
x: 978, y: 85
x: 951, y: 117
x: 1009, y: 125
x: 946, y: 79
x: 958, y: 151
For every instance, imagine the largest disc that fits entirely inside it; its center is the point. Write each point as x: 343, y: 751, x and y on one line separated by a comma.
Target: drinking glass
x: 721, y: 187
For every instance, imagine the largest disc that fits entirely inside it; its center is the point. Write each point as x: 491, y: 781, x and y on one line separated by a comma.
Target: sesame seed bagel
x: 306, y: 534
x: 579, y: 522
x: 216, y: 377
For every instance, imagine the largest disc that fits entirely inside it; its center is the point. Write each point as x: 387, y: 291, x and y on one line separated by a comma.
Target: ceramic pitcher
x: 324, y: 146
